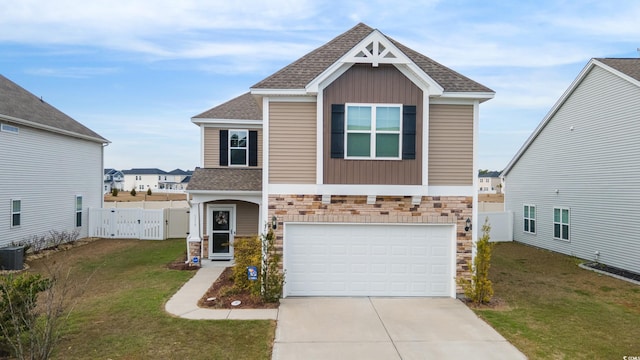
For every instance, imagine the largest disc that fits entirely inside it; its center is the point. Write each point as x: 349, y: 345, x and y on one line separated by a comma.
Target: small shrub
x: 114, y: 192
x: 246, y: 252
x: 18, y: 316
x: 149, y: 191
x: 133, y: 192
x: 480, y: 289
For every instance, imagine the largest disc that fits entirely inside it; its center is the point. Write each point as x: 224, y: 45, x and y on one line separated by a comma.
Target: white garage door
x: 368, y: 260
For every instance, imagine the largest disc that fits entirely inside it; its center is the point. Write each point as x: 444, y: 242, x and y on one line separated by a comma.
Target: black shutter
x: 253, y: 148
x: 337, y: 131
x: 224, y: 143
x: 409, y: 132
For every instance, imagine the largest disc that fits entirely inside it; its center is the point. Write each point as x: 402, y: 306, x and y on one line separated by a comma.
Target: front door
x: 222, y: 229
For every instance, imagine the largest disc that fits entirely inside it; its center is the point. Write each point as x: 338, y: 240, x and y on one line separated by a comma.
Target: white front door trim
x: 231, y: 208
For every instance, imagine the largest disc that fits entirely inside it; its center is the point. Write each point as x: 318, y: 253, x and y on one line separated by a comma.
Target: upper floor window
x: 238, y: 146
x: 373, y: 131
x: 9, y: 128
x: 529, y: 217
x: 78, y: 210
x: 16, y: 212
x: 561, y: 221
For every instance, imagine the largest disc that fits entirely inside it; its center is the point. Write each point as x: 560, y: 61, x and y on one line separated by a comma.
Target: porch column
x: 194, y: 240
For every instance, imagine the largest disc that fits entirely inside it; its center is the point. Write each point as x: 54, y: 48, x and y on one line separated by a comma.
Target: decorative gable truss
x: 376, y: 49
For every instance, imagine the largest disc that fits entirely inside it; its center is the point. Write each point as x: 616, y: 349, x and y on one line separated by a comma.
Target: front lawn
x: 120, y: 312
x: 552, y: 309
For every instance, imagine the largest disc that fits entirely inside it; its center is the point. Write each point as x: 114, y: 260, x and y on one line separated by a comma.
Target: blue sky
x: 136, y: 71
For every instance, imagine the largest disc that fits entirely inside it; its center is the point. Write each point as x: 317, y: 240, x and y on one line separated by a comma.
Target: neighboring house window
x: 141, y: 187
x: 16, y: 212
x: 561, y: 220
x: 9, y: 128
x: 529, y: 219
x: 78, y: 210
x: 238, y: 148
x: 373, y: 131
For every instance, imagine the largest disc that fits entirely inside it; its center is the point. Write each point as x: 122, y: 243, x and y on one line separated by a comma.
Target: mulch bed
x: 221, y: 294
x: 614, y: 270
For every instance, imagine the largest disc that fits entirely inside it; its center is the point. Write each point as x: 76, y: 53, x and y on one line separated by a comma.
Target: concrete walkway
x: 385, y: 328
x: 185, y: 302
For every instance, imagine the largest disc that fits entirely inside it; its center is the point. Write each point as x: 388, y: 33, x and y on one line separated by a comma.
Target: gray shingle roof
x: 144, y: 171
x: 19, y: 103
x: 302, y: 71
x: 226, y: 179
x: 243, y: 107
x: 629, y: 66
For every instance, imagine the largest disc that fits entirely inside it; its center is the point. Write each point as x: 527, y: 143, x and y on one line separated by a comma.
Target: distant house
x: 51, y: 168
x: 177, y: 180
x: 360, y: 157
x: 489, y: 183
x: 113, y: 179
x: 143, y: 179
x: 574, y: 186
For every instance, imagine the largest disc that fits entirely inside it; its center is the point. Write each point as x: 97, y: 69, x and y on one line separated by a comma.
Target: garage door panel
x: 368, y: 260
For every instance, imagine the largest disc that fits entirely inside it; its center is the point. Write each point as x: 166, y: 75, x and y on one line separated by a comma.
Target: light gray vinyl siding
x: 46, y: 171
x: 596, y: 169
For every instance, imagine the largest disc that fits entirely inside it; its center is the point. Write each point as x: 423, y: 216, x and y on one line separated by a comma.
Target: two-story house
x: 113, y: 179
x: 175, y: 180
x: 36, y: 141
x: 489, y: 182
x: 143, y: 179
x: 361, y: 156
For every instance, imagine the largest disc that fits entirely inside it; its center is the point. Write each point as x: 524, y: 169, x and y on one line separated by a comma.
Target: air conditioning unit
x: 12, y: 258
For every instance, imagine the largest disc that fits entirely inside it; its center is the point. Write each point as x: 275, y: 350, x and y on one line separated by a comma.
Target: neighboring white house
x: 489, y: 183
x: 113, y: 179
x: 176, y: 180
x: 594, y: 128
x: 143, y: 179
x: 38, y: 141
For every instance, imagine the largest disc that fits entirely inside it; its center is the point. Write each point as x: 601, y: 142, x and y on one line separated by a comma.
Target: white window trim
x: 372, y: 132
x: 568, y: 239
x: 9, y: 128
x: 11, y: 212
x: 529, y: 218
x: 78, y: 210
x: 246, y: 148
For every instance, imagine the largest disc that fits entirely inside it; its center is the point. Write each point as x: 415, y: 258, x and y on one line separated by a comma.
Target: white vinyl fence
x: 144, y: 224
x: 501, y: 225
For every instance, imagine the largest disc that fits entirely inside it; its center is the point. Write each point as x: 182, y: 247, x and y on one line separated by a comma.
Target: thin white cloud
x: 73, y: 72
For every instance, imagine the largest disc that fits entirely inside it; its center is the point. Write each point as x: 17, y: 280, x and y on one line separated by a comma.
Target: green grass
x: 555, y: 310
x: 120, y: 312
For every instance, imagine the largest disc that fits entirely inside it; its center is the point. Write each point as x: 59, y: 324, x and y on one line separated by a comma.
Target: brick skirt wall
x: 386, y: 209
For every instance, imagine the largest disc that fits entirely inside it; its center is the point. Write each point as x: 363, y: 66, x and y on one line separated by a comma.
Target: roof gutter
x: 54, y: 129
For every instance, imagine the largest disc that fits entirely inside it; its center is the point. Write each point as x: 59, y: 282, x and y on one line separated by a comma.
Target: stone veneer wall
x: 387, y: 209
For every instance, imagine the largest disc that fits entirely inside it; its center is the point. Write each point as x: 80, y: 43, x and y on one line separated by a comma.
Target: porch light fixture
x: 274, y: 222
x: 468, y: 225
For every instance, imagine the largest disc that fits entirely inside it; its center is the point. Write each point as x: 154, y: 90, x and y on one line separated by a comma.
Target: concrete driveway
x: 385, y: 328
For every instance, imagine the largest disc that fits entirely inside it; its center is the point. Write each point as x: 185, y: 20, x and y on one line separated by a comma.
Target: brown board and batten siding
x: 450, y: 145
x: 292, y: 143
x: 381, y: 85
x: 212, y: 146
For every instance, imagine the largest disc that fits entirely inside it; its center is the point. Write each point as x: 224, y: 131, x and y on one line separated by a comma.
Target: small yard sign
x: 252, y: 272
x: 195, y: 260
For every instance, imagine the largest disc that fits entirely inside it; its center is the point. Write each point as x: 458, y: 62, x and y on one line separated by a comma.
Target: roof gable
x: 627, y: 69
x: 21, y: 106
x: 361, y: 44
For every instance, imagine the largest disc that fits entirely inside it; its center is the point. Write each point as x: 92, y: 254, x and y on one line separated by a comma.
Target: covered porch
x: 225, y: 204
